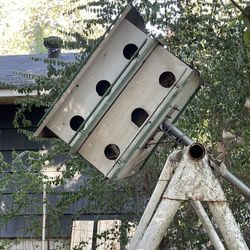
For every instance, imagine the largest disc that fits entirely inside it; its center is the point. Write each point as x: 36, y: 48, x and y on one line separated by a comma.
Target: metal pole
x: 44, y: 217
x: 234, y: 180
x: 177, y: 135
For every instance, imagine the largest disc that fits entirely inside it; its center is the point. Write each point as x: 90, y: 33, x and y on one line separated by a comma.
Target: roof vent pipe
x: 53, y: 45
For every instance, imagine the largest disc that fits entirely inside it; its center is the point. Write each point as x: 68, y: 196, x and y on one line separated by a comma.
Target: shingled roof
x: 11, y: 65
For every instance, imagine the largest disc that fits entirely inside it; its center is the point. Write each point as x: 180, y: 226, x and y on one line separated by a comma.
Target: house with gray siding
x: 71, y: 229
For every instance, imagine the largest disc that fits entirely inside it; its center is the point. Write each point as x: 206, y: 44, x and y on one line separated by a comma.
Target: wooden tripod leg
x: 159, y: 224
x: 207, y: 224
x: 227, y: 225
x: 162, y: 183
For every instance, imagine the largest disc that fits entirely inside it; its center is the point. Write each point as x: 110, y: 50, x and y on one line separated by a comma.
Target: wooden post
x: 207, y: 224
x: 162, y: 183
x: 193, y: 180
x: 159, y: 224
x: 227, y: 225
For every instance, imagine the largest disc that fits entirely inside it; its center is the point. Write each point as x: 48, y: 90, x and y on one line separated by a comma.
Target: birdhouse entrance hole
x: 167, y: 79
x: 112, y: 151
x: 75, y: 122
x: 139, y: 116
x: 102, y: 86
x: 129, y: 50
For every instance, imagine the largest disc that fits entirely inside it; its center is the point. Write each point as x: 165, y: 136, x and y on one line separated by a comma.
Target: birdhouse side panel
x: 94, y: 80
x: 154, y: 82
x: 136, y: 153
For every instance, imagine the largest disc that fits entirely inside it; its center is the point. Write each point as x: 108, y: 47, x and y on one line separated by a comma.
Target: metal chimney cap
x: 53, y: 42
x: 53, y: 45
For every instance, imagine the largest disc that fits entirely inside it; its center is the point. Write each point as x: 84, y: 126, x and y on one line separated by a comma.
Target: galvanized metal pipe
x: 197, y: 151
x: 177, y: 135
x: 234, y: 180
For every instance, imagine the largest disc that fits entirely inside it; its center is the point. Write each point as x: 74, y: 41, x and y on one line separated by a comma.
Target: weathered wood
x: 207, y: 224
x: 164, y: 178
x: 159, y: 224
x: 10, y: 139
x: 227, y: 225
x: 7, y: 113
x: 192, y: 180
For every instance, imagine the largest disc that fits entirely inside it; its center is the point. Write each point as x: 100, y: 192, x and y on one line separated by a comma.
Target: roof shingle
x: 10, y: 65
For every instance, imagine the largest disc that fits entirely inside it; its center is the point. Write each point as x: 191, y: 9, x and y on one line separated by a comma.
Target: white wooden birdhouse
x: 112, y: 111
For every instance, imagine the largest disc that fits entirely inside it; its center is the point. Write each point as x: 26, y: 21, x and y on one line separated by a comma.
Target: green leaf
x: 246, y: 18
x: 247, y: 9
x: 241, y: 17
x: 246, y: 37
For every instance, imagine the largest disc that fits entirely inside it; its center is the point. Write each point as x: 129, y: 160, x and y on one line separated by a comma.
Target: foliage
x: 5, y: 244
x: 245, y: 17
x: 31, y: 21
x: 53, y: 41
x: 208, y: 35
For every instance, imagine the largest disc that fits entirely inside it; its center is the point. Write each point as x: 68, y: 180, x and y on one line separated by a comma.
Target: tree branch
x: 239, y: 7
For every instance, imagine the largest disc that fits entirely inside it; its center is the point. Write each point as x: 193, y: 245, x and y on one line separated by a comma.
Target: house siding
x: 11, y: 139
